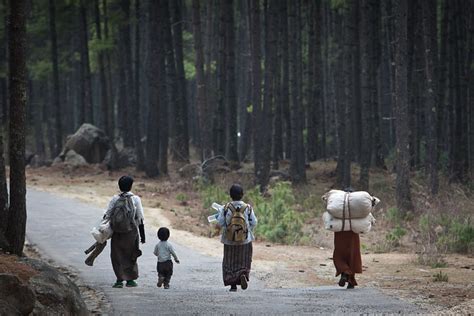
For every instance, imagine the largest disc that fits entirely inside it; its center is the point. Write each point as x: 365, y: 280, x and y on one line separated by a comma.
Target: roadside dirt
x: 279, y: 266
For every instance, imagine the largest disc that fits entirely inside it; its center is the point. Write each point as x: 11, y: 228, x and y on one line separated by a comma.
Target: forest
x: 262, y: 81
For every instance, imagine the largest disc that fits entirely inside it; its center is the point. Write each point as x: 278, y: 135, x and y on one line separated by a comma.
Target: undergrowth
x: 278, y: 218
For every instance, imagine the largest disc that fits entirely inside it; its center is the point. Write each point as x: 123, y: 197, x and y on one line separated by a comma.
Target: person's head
x: 163, y: 233
x: 125, y: 183
x: 236, y: 192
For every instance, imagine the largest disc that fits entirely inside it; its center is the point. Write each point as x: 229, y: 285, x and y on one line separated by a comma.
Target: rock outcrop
x: 90, y: 142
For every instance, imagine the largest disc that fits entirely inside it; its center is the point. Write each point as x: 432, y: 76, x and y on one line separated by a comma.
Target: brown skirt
x: 124, y: 252
x: 346, y: 255
x: 237, y: 261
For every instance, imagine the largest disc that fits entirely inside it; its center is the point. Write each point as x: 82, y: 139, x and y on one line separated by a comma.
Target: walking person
x: 347, y: 258
x: 164, y: 250
x: 125, y: 213
x: 237, y: 220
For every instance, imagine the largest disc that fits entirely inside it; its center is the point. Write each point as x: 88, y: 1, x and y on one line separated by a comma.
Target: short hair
x: 236, y: 192
x: 125, y: 183
x: 163, y: 233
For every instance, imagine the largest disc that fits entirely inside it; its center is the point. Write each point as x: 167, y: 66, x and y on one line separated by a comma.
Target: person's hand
x: 177, y: 261
x: 142, y: 240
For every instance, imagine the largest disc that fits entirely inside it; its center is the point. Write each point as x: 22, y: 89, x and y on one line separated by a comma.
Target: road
x: 59, y: 228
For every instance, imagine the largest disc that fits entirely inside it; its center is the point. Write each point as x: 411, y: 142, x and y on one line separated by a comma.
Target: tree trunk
x: 201, y: 98
x: 15, y: 233
x: 54, y: 59
x: 127, y: 91
x: 181, y: 137
x: 137, y: 130
x: 110, y: 95
x: 231, y: 149
x: 104, y: 100
x: 3, y: 191
x: 152, y: 140
x: 403, y: 194
x: 431, y: 53
x: 297, y: 163
x: 85, y: 66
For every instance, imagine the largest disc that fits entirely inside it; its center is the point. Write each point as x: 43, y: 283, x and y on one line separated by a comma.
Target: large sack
x: 357, y: 204
x: 357, y: 225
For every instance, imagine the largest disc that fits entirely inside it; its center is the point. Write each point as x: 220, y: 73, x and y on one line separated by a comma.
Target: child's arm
x: 155, y: 252
x: 252, y: 218
x: 110, y: 207
x: 173, y: 253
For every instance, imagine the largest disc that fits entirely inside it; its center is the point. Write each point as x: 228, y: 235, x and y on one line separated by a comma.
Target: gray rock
x: 70, y: 158
x: 7, y: 309
x: 16, y: 294
x: 190, y: 170
x: 117, y: 159
x: 56, y: 294
x: 90, y: 142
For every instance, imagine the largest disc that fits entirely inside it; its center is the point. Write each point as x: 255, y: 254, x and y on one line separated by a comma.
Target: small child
x: 164, y: 250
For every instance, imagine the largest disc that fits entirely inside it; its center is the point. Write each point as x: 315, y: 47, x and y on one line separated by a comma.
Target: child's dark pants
x: 165, y: 271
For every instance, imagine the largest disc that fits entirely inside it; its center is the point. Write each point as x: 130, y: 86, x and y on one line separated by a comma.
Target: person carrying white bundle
x: 344, y: 205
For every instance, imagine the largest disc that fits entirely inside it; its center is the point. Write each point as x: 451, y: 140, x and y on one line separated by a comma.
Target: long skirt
x: 346, y: 255
x: 124, y: 252
x: 237, y: 261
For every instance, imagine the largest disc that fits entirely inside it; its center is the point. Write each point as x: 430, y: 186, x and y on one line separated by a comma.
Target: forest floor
x: 396, y: 271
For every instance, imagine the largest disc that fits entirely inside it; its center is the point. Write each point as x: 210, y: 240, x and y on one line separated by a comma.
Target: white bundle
x: 340, y: 203
x: 102, y: 232
x: 357, y: 225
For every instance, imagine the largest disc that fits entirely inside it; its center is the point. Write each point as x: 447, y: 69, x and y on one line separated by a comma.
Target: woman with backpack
x: 125, y: 213
x: 238, y: 221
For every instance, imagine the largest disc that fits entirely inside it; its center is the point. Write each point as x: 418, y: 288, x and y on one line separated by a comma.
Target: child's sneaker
x: 131, y: 283
x: 118, y: 285
x: 167, y: 286
x: 233, y: 288
x: 243, y: 282
x: 160, y: 281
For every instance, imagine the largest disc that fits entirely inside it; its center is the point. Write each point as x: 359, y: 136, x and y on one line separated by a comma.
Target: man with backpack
x: 125, y: 214
x: 238, y: 221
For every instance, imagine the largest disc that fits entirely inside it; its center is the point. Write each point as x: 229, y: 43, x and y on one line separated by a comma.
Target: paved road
x: 59, y: 228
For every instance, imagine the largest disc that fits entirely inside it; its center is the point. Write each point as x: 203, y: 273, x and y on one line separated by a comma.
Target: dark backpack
x: 237, y: 230
x: 123, y: 213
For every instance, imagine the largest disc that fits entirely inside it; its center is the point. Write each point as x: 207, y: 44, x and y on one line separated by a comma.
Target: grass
x: 440, y: 277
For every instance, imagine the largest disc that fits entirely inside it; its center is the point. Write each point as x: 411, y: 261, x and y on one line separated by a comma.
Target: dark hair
x: 236, y: 192
x: 125, y: 183
x: 163, y: 233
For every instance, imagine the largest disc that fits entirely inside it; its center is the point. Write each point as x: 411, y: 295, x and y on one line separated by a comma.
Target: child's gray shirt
x: 164, y: 250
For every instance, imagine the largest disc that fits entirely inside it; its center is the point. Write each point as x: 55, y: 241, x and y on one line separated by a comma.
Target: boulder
x: 56, y: 294
x: 70, y: 158
x: 90, y: 142
x: 190, y: 170
x: 7, y: 309
x: 117, y: 159
x: 13, y: 292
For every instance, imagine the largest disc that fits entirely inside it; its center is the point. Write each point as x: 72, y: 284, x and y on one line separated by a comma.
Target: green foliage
x: 440, y: 277
x: 395, y: 235
x: 457, y: 233
x: 278, y: 220
x: 182, y: 197
x: 338, y: 4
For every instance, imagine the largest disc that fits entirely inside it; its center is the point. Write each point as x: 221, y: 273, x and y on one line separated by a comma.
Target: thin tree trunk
x: 403, y: 194
x: 111, y: 112
x: 3, y: 191
x: 54, y: 59
x: 104, y: 100
x: 85, y: 65
x: 201, y: 98
x: 297, y: 163
x: 181, y: 141
x: 152, y: 140
x: 15, y: 233
x: 137, y: 130
x: 231, y: 149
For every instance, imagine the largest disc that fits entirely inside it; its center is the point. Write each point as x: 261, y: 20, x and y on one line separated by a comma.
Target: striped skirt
x: 237, y: 261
